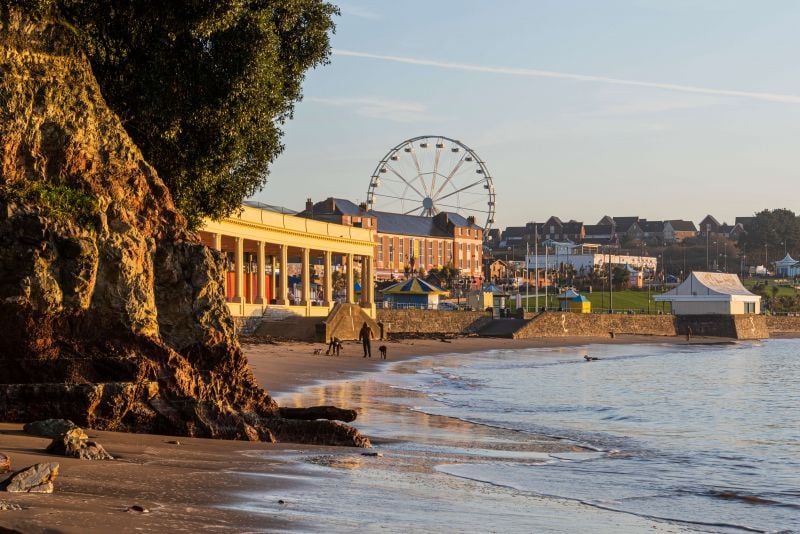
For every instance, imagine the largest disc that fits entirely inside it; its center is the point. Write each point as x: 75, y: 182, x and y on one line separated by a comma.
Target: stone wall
x: 783, y: 324
x: 432, y: 321
x: 561, y: 324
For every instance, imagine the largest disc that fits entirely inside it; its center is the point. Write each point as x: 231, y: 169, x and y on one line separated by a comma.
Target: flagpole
x: 527, y: 276
x: 536, y: 252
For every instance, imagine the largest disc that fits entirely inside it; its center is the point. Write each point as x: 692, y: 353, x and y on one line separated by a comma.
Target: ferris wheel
x: 430, y: 174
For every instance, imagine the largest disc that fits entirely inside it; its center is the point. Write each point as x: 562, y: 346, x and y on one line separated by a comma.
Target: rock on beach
x: 37, y: 478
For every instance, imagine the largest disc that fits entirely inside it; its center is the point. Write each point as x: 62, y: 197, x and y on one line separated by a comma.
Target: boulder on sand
x: 49, y: 428
x: 5, y: 463
x: 319, y: 412
x: 76, y: 444
x: 37, y: 478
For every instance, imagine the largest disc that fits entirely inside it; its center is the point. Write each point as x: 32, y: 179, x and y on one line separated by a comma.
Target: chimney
x: 309, y: 205
x: 471, y: 220
x: 363, y: 206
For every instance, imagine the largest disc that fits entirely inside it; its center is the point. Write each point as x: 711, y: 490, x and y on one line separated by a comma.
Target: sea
x: 644, y: 438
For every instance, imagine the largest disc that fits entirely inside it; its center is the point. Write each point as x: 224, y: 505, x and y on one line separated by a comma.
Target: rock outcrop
x: 37, y: 478
x: 112, y: 313
x: 5, y: 463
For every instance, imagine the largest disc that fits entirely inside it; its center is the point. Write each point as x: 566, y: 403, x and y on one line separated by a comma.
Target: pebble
x: 138, y: 509
x: 378, y: 454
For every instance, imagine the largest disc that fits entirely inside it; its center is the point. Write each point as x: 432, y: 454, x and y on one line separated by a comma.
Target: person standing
x: 365, y: 334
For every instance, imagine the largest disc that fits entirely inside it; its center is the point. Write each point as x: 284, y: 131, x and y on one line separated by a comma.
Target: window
x: 391, y: 251
x: 440, y: 246
x: 380, y: 249
x: 402, y: 254
x: 430, y: 251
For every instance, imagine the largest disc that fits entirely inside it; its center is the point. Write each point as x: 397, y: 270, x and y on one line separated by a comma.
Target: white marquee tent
x: 711, y: 294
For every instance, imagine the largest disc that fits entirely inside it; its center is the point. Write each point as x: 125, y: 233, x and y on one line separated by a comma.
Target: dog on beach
x: 590, y: 358
x: 317, y: 351
x: 382, y: 350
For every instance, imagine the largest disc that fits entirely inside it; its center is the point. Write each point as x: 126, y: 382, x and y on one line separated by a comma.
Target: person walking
x: 365, y: 334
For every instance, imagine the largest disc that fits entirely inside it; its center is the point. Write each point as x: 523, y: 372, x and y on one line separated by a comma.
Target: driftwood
x: 319, y: 412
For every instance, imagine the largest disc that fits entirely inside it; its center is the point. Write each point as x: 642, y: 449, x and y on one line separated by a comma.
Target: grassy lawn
x: 623, y: 300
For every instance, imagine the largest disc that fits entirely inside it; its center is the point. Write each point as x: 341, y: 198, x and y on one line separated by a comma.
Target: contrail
x: 534, y: 73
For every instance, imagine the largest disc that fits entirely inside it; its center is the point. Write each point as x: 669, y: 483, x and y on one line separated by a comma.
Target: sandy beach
x: 195, y: 484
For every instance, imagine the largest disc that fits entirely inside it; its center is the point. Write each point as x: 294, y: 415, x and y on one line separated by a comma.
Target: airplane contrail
x: 535, y: 73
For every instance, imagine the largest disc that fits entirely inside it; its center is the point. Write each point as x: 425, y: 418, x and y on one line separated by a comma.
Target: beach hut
x: 564, y: 297
x: 488, y: 296
x: 635, y: 278
x: 784, y: 267
x: 580, y: 304
x: 711, y: 294
x: 413, y: 293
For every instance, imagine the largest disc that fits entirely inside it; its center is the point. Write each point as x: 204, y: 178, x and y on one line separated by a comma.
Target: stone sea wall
x: 432, y: 321
x: 562, y: 324
x: 783, y: 324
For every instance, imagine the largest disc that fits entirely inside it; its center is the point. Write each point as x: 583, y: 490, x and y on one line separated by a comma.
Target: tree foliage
x: 202, y: 86
x: 778, y: 229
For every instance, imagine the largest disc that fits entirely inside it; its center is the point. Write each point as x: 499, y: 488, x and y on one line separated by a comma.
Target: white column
x: 371, y: 282
x: 239, y: 279
x: 261, y: 297
x: 218, y: 242
x: 306, y: 277
x: 350, y: 291
x: 328, y: 281
x: 284, y: 282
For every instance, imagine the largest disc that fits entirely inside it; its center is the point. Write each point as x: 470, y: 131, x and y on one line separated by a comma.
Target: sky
x: 665, y: 109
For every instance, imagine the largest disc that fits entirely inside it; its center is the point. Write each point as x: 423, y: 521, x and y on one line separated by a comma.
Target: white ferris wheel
x: 430, y: 174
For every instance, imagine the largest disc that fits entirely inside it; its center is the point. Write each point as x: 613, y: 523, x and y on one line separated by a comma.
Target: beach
x: 217, y: 485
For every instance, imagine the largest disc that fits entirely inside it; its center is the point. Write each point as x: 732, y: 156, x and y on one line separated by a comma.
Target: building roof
x: 598, y: 229
x: 709, y: 219
x: 652, y: 227
x: 414, y: 286
x: 268, y: 207
x: 709, y: 286
x: 680, y: 225
x: 744, y: 221
x: 623, y: 224
x: 332, y: 209
x: 786, y: 261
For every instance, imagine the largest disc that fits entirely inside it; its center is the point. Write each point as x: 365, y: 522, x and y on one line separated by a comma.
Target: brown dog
x: 382, y: 350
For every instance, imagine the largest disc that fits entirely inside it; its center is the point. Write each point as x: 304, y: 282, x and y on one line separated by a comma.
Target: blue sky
x: 679, y: 108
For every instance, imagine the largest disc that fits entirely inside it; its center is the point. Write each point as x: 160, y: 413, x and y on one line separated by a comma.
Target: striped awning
x: 414, y: 286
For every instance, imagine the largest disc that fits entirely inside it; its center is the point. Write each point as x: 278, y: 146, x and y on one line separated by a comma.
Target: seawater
x: 664, y: 438
x: 701, y: 435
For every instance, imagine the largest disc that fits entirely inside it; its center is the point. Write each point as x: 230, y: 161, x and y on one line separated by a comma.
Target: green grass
x: 623, y: 300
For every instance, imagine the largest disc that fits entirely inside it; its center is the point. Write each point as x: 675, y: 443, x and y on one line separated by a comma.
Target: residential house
x: 677, y: 230
x: 709, y: 226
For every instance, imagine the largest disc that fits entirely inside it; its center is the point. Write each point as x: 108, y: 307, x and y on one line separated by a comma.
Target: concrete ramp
x: 345, y: 321
x: 502, y: 328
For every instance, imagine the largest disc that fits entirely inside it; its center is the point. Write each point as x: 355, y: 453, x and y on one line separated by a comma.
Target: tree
x: 777, y: 229
x: 620, y: 277
x: 201, y: 86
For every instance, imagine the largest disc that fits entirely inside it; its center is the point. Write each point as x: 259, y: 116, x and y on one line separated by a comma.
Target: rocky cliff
x: 101, y: 282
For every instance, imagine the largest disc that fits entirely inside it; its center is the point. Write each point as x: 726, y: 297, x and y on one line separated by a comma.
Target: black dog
x: 382, y: 350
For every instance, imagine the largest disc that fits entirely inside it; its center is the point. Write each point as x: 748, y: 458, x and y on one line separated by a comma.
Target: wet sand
x: 200, y: 484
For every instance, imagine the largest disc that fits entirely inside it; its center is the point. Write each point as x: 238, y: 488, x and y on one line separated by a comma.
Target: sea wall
x: 783, y: 324
x: 432, y: 321
x: 561, y: 324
